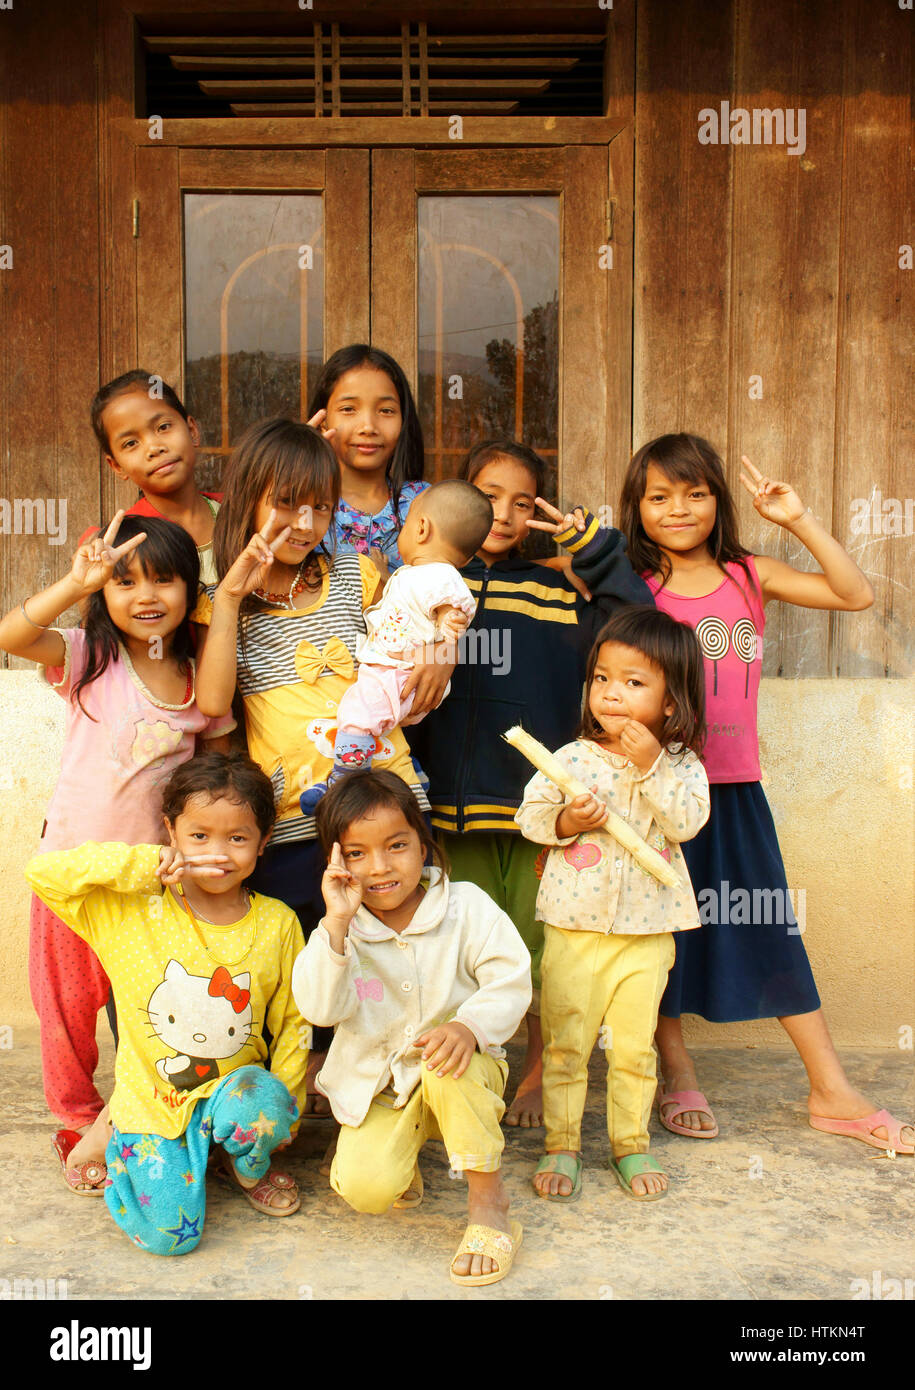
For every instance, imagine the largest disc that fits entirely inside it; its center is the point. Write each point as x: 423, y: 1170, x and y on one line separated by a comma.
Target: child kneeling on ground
x: 424, y: 980
x: 199, y: 971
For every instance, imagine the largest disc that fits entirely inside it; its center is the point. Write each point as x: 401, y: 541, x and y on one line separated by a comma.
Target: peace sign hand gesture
x: 559, y: 521
x: 95, y: 562
x: 776, y: 502
x: 252, y: 568
x: 317, y: 423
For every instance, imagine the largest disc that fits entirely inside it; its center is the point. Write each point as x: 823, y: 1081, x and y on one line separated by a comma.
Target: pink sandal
x: 681, y: 1101
x: 89, y: 1179
x: 263, y: 1191
x: 864, y: 1130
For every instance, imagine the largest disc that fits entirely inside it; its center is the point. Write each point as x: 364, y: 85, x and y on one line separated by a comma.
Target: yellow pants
x: 603, y: 988
x: 374, y: 1161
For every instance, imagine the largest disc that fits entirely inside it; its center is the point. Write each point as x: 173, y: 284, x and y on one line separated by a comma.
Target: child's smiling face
x: 364, y: 409
x: 143, y: 604
x: 511, y: 489
x: 626, y: 685
x: 149, y: 443
x: 219, y: 826
x: 677, y: 515
x: 384, y: 854
x: 308, y: 519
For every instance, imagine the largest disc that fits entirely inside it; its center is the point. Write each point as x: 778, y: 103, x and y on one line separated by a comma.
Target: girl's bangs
x: 680, y: 468
x: 154, y: 556
x: 301, y: 480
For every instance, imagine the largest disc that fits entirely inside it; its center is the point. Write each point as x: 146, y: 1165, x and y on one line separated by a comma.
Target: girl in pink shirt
x: 748, y: 961
x: 128, y: 678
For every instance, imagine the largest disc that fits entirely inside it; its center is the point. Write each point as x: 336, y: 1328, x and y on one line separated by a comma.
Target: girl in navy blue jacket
x: 522, y: 661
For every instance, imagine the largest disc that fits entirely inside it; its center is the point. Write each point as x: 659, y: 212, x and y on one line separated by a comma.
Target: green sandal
x: 567, y: 1167
x: 631, y: 1166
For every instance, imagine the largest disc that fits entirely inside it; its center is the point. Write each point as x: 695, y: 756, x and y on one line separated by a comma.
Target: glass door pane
x: 254, y: 312
x: 488, y: 323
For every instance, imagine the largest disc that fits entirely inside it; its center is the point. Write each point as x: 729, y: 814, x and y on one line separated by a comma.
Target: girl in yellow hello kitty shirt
x: 201, y: 967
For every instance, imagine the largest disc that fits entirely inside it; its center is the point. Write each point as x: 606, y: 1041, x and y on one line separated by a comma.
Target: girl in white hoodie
x: 423, y: 980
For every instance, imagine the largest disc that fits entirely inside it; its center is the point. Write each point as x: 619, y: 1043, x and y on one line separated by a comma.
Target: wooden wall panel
x: 784, y: 280
x: 751, y: 261
x: 875, y: 420
x: 619, y: 99
x: 51, y: 295
x: 681, y: 294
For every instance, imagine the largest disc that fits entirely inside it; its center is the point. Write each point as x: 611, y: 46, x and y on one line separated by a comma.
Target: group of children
x: 339, y: 918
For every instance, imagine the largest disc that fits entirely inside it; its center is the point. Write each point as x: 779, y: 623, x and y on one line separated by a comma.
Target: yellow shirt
x: 187, y: 1015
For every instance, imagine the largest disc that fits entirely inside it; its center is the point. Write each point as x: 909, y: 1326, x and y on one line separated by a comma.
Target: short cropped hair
x: 231, y: 775
x: 461, y: 511
x: 136, y: 380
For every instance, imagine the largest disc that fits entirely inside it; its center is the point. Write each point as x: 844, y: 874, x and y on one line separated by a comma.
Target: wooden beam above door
x: 270, y: 131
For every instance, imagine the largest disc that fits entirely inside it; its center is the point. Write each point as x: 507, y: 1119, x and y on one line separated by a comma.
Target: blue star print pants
x: 156, y: 1188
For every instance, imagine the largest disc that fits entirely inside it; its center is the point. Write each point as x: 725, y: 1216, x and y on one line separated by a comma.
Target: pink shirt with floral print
x: 114, y: 764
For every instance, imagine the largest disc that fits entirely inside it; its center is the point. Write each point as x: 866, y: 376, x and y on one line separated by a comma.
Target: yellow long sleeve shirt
x: 188, y: 1015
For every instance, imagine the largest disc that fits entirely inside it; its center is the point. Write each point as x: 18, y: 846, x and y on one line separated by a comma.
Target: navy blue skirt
x: 747, y: 960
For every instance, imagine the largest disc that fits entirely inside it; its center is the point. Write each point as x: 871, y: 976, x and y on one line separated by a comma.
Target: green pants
x: 502, y: 864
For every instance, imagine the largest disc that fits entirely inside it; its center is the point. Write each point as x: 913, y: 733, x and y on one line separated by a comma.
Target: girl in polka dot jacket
x: 609, y: 933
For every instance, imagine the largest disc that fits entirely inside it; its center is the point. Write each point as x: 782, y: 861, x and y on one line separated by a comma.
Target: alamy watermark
x: 882, y: 516
x: 34, y: 516
x: 759, y: 126
x: 740, y: 907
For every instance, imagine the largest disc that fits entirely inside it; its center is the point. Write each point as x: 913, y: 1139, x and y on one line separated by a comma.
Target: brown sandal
x: 87, y: 1180
x: 260, y: 1194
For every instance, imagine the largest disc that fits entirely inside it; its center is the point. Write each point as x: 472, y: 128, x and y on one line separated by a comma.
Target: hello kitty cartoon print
x: 202, y: 1019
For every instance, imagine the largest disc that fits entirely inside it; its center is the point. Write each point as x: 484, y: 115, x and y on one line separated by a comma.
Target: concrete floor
x: 769, y: 1210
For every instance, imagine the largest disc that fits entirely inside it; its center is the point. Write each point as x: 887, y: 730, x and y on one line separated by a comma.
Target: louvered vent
x: 415, y: 72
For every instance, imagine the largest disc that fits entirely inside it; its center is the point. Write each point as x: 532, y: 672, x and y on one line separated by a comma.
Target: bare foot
x: 849, y: 1104
x: 555, y: 1184
x: 329, y: 1152
x: 91, y: 1148
x: 316, y: 1105
x: 526, y: 1110
x: 684, y: 1080
x: 487, y: 1205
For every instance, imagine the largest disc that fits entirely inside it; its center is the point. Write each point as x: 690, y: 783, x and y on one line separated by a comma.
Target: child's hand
x: 94, y: 563
x: 586, y: 812
x: 452, y: 622
x: 317, y: 423
x: 252, y: 568
x: 559, y: 521
x: 448, y: 1047
x: 776, y: 502
x: 380, y: 561
x: 342, y: 893
x: 174, y: 866
x: 639, y: 744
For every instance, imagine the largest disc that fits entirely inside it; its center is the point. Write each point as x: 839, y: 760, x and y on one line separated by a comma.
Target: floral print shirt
x: 362, y: 532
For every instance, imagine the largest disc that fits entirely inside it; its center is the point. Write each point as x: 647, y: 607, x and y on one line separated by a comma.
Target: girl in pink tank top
x: 680, y: 522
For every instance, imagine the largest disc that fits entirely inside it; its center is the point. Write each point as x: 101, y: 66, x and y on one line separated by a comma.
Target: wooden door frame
x: 579, y: 174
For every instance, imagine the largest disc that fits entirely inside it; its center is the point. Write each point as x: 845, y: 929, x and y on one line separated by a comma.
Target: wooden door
x: 504, y: 249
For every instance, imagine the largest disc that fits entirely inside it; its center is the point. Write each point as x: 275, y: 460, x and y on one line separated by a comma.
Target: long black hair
x: 168, y: 550
x: 407, y: 463
x: 682, y: 458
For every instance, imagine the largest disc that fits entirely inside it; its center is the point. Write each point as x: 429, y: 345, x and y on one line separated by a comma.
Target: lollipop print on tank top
x: 714, y: 639
x: 745, y: 641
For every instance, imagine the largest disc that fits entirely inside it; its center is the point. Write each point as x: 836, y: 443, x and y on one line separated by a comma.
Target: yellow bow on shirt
x: 310, y: 663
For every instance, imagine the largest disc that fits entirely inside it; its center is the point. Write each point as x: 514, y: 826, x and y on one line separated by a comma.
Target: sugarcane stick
x: 545, y: 762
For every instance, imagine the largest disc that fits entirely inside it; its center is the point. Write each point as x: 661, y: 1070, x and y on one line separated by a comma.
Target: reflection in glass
x: 254, y: 308
x: 488, y: 324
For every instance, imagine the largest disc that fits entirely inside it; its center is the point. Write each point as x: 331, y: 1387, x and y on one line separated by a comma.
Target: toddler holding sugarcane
x: 610, y: 921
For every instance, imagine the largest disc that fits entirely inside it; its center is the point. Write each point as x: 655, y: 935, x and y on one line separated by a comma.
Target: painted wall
x: 837, y: 758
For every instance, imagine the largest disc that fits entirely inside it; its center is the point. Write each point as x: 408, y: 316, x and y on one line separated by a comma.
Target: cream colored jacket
x: 460, y: 958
